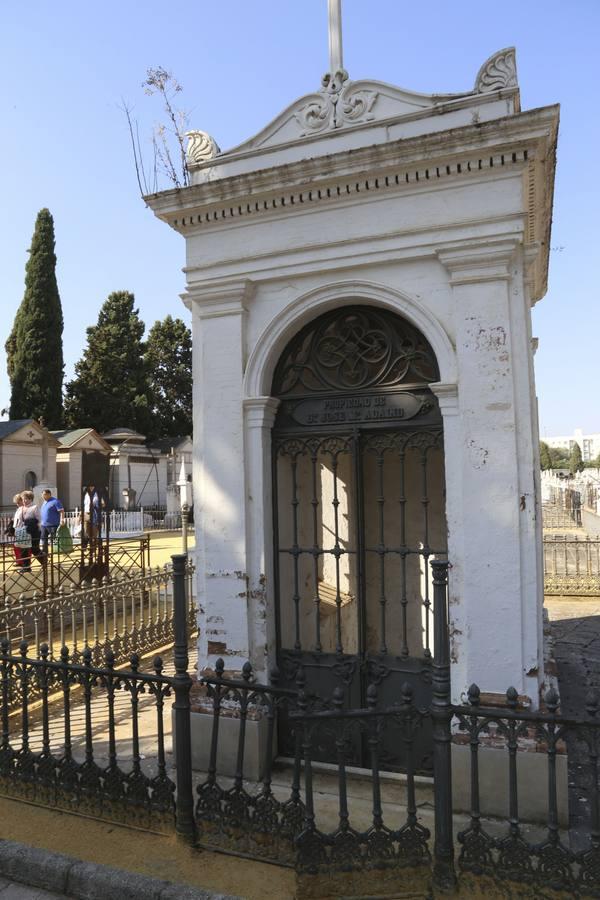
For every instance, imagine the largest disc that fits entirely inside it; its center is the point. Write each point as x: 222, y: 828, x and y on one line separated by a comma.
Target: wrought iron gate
x: 359, y: 514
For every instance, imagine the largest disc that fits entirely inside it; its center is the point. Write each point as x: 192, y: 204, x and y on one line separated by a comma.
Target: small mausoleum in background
x: 82, y: 458
x: 361, y: 275
x: 27, y: 459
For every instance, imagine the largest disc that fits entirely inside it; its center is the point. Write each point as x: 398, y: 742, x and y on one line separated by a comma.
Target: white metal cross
x: 336, y: 56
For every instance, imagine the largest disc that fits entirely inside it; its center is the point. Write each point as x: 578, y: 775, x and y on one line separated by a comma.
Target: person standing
x: 10, y: 531
x: 28, y: 515
x: 52, y: 515
x: 91, y: 515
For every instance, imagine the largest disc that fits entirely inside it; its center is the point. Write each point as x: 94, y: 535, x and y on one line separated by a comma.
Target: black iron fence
x: 345, y: 833
x: 45, y: 769
x: 515, y: 850
x: 123, y: 615
x: 48, y: 572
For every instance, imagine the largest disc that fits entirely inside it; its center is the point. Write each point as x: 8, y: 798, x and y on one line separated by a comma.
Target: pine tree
x: 169, y: 365
x: 110, y: 387
x: 545, y: 459
x: 575, y: 460
x: 34, y: 354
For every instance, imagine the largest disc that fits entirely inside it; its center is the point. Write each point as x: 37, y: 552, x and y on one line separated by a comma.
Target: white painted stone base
x: 532, y: 781
x: 255, y: 747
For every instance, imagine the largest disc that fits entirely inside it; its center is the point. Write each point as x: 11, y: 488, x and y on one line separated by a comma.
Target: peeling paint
x: 478, y: 455
x: 491, y: 339
x: 222, y: 574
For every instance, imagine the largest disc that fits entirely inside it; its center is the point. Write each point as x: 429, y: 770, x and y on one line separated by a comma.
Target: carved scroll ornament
x: 200, y: 147
x: 499, y: 71
x: 338, y: 103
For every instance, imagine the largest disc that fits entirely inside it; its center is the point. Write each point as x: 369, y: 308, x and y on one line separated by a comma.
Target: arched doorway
x: 359, y: 512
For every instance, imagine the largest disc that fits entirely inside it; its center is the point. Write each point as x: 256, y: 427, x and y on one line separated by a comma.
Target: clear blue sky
x: 65, y: 145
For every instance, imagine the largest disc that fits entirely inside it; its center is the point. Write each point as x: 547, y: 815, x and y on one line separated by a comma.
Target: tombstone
x: 360, y: 275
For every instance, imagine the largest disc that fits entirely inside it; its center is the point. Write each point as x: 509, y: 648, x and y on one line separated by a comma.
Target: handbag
x: 64, y: 541
x: 22, y: 537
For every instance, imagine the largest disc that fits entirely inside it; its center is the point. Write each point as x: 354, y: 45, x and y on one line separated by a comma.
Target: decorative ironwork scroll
x: 355, y: 349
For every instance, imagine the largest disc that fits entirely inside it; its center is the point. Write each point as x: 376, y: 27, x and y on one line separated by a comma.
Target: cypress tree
x: 575, y: 460
x: 110, y: 387
x: 545, y: 458
x: 169, y: 363
x: 34, y: 354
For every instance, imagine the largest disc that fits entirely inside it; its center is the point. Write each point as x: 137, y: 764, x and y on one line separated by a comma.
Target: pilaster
x: 259, y: 415
x: 219, y: 481
x: 494, y: 583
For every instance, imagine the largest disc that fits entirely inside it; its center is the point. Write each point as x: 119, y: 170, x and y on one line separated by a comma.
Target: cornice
x: 345, y: 186
x: 418, y: 158
x: 524, y: 143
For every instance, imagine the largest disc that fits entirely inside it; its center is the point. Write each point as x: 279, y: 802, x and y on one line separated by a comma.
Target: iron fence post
x: 444, y: 876
x: 184, y: 809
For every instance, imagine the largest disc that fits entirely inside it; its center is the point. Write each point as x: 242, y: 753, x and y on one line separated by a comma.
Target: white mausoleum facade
x: 436, y: 210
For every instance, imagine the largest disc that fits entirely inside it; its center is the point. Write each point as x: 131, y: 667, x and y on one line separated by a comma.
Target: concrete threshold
x: 73, y: 878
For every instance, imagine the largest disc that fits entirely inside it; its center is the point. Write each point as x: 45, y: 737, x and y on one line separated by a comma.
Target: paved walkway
x: 575, y: 628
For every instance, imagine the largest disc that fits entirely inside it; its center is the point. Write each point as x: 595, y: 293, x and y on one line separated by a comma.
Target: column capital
x: 260, y: 412
x: 225, y: 298
x: 479, y: 262
x: 447, y: 396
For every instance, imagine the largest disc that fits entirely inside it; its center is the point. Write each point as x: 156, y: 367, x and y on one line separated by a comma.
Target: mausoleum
x: 361, y: 275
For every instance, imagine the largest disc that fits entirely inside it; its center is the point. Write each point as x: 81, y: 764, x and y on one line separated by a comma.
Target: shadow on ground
x: 577, y: 655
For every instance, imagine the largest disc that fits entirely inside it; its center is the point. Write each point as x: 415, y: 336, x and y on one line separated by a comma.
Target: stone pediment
x: 81, y: 439
x: 341, y: 103
x: 355, y: 103
x: 26, y: 431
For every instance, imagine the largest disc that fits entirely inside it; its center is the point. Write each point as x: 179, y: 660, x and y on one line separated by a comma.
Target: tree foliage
x: 169, y: 365
x: 545, y: 458
x: 34, y: 353
x: 558, y: 456
x: 111, y: 387
x: 575, y: 459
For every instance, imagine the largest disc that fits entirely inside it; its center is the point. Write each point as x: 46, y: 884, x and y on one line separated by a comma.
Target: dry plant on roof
x: 168, y: 136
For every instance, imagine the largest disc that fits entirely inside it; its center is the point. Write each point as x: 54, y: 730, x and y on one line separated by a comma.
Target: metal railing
x: 571, y: 565
x: 47, y: 574
x: 118, y: 521
x: 46, y: 765
x: 563, y: 509
x: 124, y: 615
x: 361, y: 847
x: 544, y: 862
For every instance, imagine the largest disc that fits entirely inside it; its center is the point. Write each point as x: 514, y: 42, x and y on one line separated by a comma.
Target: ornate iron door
x: 359, y: 513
